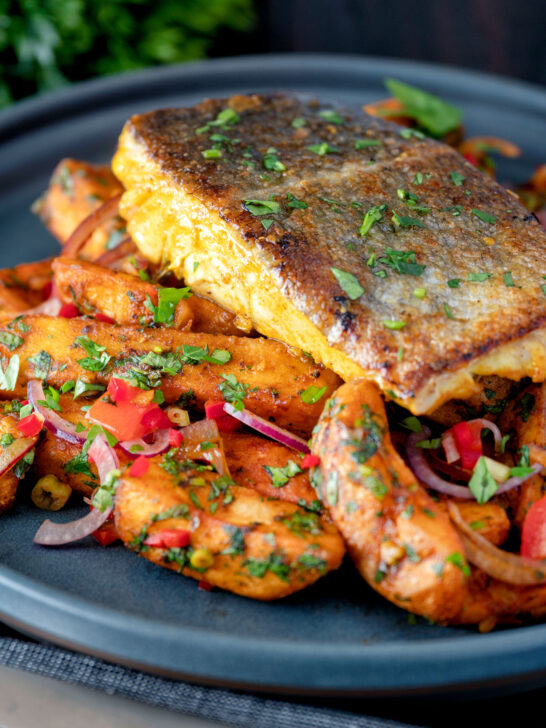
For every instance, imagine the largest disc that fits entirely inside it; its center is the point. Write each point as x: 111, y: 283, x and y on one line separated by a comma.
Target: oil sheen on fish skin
x: 437, y: 226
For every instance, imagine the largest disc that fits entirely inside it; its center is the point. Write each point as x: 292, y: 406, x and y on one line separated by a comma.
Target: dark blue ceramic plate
x: 337, y: 637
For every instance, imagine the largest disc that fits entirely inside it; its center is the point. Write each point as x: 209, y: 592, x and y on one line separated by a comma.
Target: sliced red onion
x: 138, y: 447
x: 14, y: 452
x: 58, y: 534
x: 514, y: 482
x: 103, y: 456
x: 124, y: 248
x: 426, y: 474
x: 87, y: 227
x: 450, y: 448
x: 201, y: 431
x: 423, y: 471
x: 52, y: 421
x: 267, y: 428
x: 51, y: 307
x: 488, y: 425
x: 501, y: 565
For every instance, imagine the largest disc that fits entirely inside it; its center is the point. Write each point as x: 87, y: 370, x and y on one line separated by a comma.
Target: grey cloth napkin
x: 242, y: 710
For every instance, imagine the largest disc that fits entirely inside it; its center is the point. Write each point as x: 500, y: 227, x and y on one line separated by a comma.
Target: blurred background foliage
x: 47, y: 43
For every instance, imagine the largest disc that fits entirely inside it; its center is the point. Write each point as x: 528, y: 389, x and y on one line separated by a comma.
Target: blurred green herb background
x: 47, y: 43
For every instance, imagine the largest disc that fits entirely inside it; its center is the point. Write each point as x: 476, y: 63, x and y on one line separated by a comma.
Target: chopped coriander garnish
x: 195, y: 355
x: 457, y: 178
x: 408, y: 133
x: 448, y: 312
x: 323, y: 149
x: 212, y: 153
x: 11, y: 341
x: 402, y: 261
x: 261, y: 207
x: 405, y: 221
x: 418, y: 179
x: 479, y: 277
x: 41, y: 363
x: 298, y: 122
x: 271, y: 161
x: 412, y: 423
x: 233, y: 391
x: 508, y: 280
x: 97, y: 359
x: 454, y: 282
x: 458, y: 560
x: 431, y: 113
x: 225, y: 119
x: 482, y: 484
x: 280, y: 476
x: 393, y: 325
x: 373, y: 215
x: 484, y: 216
x: 349, y: 283
x: 81, y: 387
x: 167, y: 301
x: 312, y: 394
x: 364, y: 143
x: 420, y: 292
x: 294, y: 203
x: 332, y: 117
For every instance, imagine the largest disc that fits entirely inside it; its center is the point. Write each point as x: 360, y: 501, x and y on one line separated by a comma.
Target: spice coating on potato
x: 260, y: 548
x: 401, y: 541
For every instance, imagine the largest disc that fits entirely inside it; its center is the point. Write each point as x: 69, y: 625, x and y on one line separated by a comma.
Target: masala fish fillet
x: 383, y: 254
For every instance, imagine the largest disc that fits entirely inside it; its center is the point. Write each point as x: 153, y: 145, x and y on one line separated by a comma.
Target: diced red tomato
x: 310, y: 461
x: 121, y: 391
x: 31, y: 425
x: 175, y: 437
x: 169, y: 538
x: 127, y: 420
x: 214, y: 410
x: 533, y: 534
x: 68, y: 310
x: 471, y: 158
x: 107, y: 533
x: 104, y: 318
x: 155, y: 419
x: 139, y: 467
x: 204, y: 585
x: 469, y: 442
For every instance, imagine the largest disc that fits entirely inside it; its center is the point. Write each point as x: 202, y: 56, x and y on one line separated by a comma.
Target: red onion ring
x: 501, y: 565
x: 423, y: 471
x: 51, y: 307
x: 14, y: 452
x: 159, y: 445
x: 123, y: 248
x: 488, y: 425
x: 52, y: 421
x: 268, y: 428
x: 87, y: 227
x: 58, y: 534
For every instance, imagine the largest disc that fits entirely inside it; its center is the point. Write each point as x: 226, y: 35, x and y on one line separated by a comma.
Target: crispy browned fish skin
x: 268, y: 528
x: 401, y: 541
x: 301, y: 246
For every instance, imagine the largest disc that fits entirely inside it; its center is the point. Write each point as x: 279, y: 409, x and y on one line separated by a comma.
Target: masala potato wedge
x: 126, y: 299
x: 493, y: 395
x: 23, y: 286
x: 490, y: 519
x: 249, y: 457
x: 9, y: 482
x: 269, y: 375
x: 400, y: 539
x: 256, y: 547
x: 75, y: 190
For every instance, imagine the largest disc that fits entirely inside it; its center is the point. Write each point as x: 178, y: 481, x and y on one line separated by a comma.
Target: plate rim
x: 525, y: 654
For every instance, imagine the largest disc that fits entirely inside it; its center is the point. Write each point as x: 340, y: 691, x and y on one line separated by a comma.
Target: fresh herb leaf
x: 195, y: 355
x: 508, y: 280
x: 11, y: 341
x: 393, y: 325
x: 349, y: 283
x: 448, y: 311
x: 457, y: 178
x: 312, y: 394
x: 373, y: 215
x: 97, y: 359
x: 431, y: 113
x: 261, y: 207
x: 294, y: 203
x: 280, y: 476
x: 405, y: 221
x: 167, y: 301
x: 298, y: 122
x: 365, y: 143
x: 332, y: 117
x: 479, y: 277
x: 233, y: 391
x: 458, y: 560
x: 323, y: 149
x: 402, y: 261
x: 41, y: 363
x: 81, y: 387
x: 272, y: 161
x: 482, y: 484
x: 484, y: 216
x: 454, y: 282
